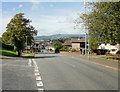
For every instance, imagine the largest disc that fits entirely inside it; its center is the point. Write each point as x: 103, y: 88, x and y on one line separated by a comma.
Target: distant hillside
x: 59, y: 36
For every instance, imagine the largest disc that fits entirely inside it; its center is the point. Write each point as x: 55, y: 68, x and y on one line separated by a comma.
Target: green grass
x: 113, y: 58
x: 24, y: 53
x: 31, y: 55
x: 8, y: 53
x: 11, y: 53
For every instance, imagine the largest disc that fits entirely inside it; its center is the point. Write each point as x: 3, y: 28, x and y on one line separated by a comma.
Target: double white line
x: 30, y: 63
x: 39, y: 82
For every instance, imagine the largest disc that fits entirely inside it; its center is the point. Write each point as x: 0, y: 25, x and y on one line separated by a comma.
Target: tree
x: 17, y: 30
x: 103, y: 22
x: 5, y: 37
x: 58, y: 45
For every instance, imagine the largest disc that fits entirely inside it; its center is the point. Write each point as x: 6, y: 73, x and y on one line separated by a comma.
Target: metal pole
x: 85, y: 30
x: 86, y: 34
x: 88, y: 46
x: 85, y: 43
x: 26, y: 44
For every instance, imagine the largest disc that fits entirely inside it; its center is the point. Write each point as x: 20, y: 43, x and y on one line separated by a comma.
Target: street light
x: 86, y: 35
x: 85, y: 30
x: 26, y: 44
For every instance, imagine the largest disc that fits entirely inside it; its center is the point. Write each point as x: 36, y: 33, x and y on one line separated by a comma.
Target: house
x: 78, y: 44
x: 68, y: 44
x: 113, y: 49
x: 50, y: 47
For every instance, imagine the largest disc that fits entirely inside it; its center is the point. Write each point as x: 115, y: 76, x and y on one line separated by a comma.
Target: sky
x: 47, y: 17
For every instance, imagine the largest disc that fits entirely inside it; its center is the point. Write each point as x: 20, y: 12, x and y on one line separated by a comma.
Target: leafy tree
x: 5, y: 37
x: 58, y: 45
x: 103, y: 23
x: 17, y: 30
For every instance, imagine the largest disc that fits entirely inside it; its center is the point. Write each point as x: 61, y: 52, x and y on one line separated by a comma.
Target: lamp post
x: 85, y: 29
x: 26, y: 44
x: 86, y: 35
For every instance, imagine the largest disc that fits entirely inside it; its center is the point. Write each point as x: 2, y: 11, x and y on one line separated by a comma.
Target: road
x: 49, y: 71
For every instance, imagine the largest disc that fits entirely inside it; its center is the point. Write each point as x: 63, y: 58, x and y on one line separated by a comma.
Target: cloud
x: 20, y: 6
x: 51, y: 5
x: 13, y: 9
x: 35, y: 5
x: 48, y: 25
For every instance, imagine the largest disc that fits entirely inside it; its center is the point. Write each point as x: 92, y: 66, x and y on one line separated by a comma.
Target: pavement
x: 49, y: 71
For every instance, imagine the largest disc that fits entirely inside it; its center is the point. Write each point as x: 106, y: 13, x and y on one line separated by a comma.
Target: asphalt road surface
x: 49, y: 71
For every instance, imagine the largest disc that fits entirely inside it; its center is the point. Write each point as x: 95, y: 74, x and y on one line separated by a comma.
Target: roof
x: 78, y: 40
x: 50, y: 46
x: 68, y: 42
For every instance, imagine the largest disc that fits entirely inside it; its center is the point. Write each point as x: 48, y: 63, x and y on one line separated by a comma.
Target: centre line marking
x: 36, y: 70
x: 40, y: 89
x: 38, y: 78
x: 29, y: 62
x: 37, y: 74
x: 34, y: 62
x: 39, y: 83
x: 35, y: 65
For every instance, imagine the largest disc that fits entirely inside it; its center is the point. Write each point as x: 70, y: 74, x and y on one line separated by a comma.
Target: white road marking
x: 30, y: 62
x: 38, y: 78
x: 35, y: 65
x: 36, y: 70
x: 39, y: 83
x: 40, y: 89
x: 37, y: 74
x: 34, y: 62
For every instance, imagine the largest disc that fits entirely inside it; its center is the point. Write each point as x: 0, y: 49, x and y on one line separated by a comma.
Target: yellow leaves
x: 20, y: 14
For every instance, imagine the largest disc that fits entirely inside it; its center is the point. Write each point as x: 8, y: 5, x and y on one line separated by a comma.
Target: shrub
x: 118, y: 52
x: 57, y: 50
x: 74, y: 50
x: 7, y: 46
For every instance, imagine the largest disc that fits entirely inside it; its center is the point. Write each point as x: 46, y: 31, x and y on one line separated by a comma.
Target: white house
x: 113, y: 49
x: 50, y: 47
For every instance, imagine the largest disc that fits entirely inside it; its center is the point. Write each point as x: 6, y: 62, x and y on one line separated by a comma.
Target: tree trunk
x: 19, y: 52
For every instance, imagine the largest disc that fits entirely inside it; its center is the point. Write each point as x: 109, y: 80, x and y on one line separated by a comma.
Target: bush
x: 74, y: 50
x: 64, y: 48
x: 7, y: 46
x: 57, y: 50
x: 58, y: 45
x: 118, y: 52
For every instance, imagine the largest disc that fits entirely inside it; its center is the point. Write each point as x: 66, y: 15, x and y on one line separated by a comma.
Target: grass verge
x: 11, y: 53
x: 31, y: 56
x: 8, y: 53
x: 112, y: 58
